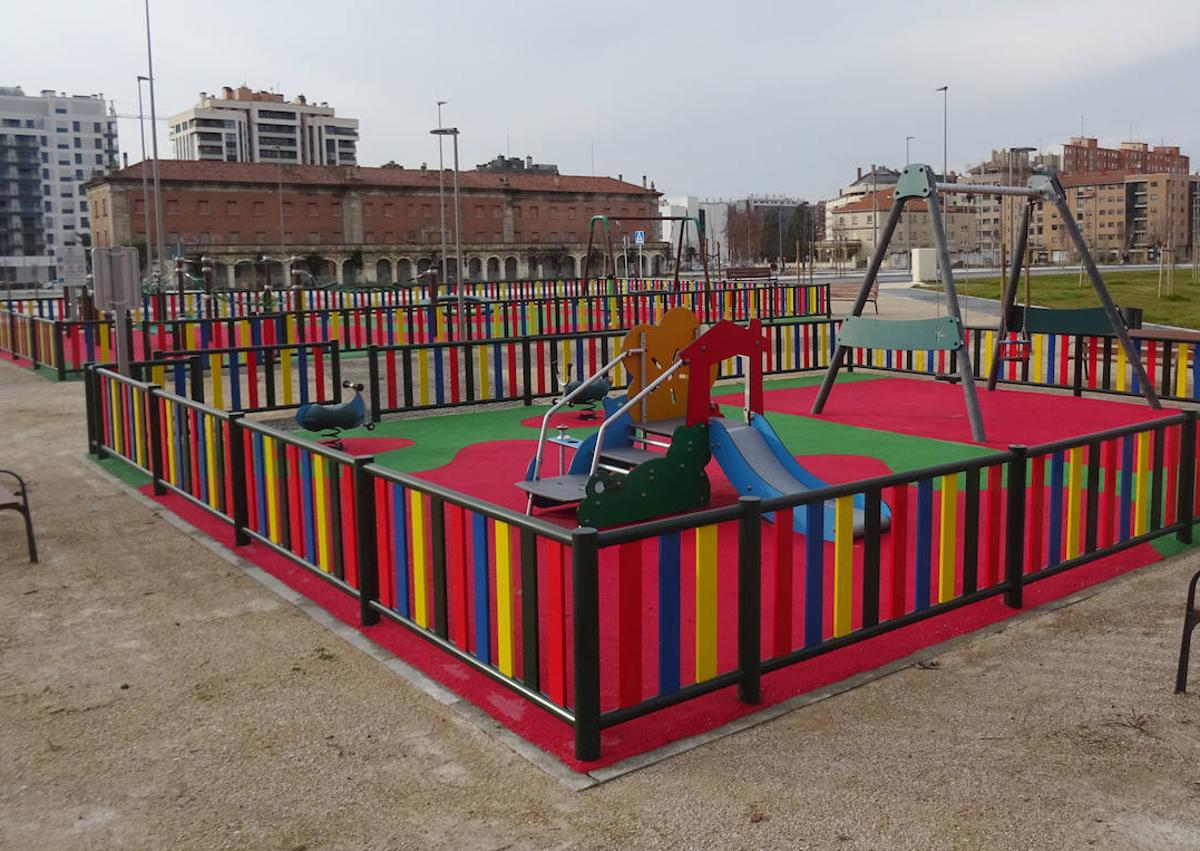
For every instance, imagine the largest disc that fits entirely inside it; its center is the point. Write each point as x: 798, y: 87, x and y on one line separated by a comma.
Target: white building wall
x: 267, y: 131
x: 76, y: 140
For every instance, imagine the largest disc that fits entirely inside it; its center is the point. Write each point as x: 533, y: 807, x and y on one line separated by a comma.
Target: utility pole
x: 158, y: 215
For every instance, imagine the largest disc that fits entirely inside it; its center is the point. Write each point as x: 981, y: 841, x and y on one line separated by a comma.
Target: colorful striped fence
x: 693, y: 603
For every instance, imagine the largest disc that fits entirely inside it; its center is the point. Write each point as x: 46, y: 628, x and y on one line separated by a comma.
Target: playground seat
x: 19, y: 502
x: 941, y: 334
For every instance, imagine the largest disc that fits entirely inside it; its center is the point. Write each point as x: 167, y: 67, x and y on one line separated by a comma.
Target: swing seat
x: 910, y: 335
x: 1015, y: 350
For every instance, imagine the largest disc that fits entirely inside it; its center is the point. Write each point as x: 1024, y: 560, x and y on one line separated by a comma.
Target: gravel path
x: 152, y: 695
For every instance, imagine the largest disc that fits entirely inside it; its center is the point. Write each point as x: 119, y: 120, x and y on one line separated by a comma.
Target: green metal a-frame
x: 917, y: 181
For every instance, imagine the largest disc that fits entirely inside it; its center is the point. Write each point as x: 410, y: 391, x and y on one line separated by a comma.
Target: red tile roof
x: 321, y: 175
x: 880, y: 201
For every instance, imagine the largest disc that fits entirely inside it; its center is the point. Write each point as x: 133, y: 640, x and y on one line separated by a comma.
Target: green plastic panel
x: 916, y: 181
x: 1089, y: 321
x: 910, y: 335
x: 668, y: 485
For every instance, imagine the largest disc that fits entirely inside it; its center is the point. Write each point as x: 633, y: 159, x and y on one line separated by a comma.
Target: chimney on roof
x: 125, y: 159
x: 620, y: 177
x: 859, y: 173
x: 203, y: 95
x: 652, y: 189
x: 424, y: 166
x: 301, y: 99
x: 529, y: 162
x: 643, y: 181
x: 227, y: 92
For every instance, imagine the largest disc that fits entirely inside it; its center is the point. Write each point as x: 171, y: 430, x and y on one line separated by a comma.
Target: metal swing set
x: 917, y: 182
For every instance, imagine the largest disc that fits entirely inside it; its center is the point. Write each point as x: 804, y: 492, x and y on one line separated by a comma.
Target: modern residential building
x: 50, y: 144
x: 1083, y: 154
x: 1121, y: 214
x: 246, y: 126
x: 357, y: 224
x: 854, y: 229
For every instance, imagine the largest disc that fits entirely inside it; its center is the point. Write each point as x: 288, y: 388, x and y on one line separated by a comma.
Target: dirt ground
x: 152, y: 695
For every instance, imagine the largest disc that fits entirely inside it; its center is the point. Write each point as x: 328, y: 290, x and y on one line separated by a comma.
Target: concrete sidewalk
x: 152, y: 695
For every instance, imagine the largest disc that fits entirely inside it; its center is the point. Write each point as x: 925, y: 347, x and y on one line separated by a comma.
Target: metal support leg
x: 1010, y: 292
x: 1106, y: 302
x: 964, y: 362
x: 839, y: 354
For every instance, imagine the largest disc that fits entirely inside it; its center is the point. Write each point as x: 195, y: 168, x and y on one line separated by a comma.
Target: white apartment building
x: 50, y: 144
x: 261, y: 127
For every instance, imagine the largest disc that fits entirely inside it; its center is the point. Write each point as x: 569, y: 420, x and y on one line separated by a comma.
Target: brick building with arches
x: 371, y: 225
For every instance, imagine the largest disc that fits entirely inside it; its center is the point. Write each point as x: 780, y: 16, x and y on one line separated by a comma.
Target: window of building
x: 202, y: 207
x: 312, y: 209
x: 235, y: 237
x: 172, y: 207
x: 260, y: 209
x: 231, y: 208
x: 83, y: 206
x: 287, y: 208
x: 389, y: 211
x: 78, y: 142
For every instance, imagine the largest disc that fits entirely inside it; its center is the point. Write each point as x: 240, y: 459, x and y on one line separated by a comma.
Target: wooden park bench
x: 750, y: 273
x: 848, y: 291
x: 19, y: 502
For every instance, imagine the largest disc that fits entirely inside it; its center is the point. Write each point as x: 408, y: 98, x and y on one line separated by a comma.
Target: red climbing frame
x: 724, y: 340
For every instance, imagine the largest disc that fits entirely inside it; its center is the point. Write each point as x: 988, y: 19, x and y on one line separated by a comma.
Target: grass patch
x: 1129, y: 289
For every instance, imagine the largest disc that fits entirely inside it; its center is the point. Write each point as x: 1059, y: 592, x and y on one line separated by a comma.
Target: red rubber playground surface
x: 870, y: 427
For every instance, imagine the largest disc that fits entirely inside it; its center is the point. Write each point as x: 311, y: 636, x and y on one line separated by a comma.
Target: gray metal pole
x: 145, y: 180
x: 1020, y: 239
x: 839, y: 354
x: 441, y: 202
x: 158, y: 215
x: 1106, y: 302
x: 964, y: 359
x: 458, y: 274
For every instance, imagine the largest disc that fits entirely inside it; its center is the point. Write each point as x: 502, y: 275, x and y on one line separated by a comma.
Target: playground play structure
x: 618, y: 475
x: 647, y: 593
x: 947, y: 333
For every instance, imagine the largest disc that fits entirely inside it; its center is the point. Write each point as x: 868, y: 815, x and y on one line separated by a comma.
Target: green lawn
x: 1129, y: 289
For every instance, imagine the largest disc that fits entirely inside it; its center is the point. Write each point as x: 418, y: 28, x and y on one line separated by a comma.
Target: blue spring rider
x: 332, y: 420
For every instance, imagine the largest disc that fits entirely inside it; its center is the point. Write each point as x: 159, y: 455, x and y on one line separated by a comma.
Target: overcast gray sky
x: 707, y: 98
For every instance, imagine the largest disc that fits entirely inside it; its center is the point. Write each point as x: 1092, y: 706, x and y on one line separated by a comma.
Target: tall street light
x: 453, y: 132
x: 158, y: 222
x: 945, y: 90
x: 150, y: 264
x: 441, y: 201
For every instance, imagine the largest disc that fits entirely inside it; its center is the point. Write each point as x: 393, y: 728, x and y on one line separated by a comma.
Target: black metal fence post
x: 196, y: 378
x: 1185, y: 497
x: 526, y: 372
x: 1014, y: 529
x: 237, y: 474
x: 750, y: 600
x: 368, y: 564
x: 89, y: 405
x: 60, y: 361
x: 373, y: 380
x: 585, y: 574
x: 154, y: 426
x: 335, y: 363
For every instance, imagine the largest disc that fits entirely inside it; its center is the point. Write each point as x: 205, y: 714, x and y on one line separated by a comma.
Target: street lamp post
x: 145, y: 178
x: 453, y: 132
x: 158, y: 221
x: 441, y: 200
x: 945, y: 90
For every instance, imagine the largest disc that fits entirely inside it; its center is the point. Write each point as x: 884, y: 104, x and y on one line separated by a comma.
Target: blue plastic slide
x: 757, y: 463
